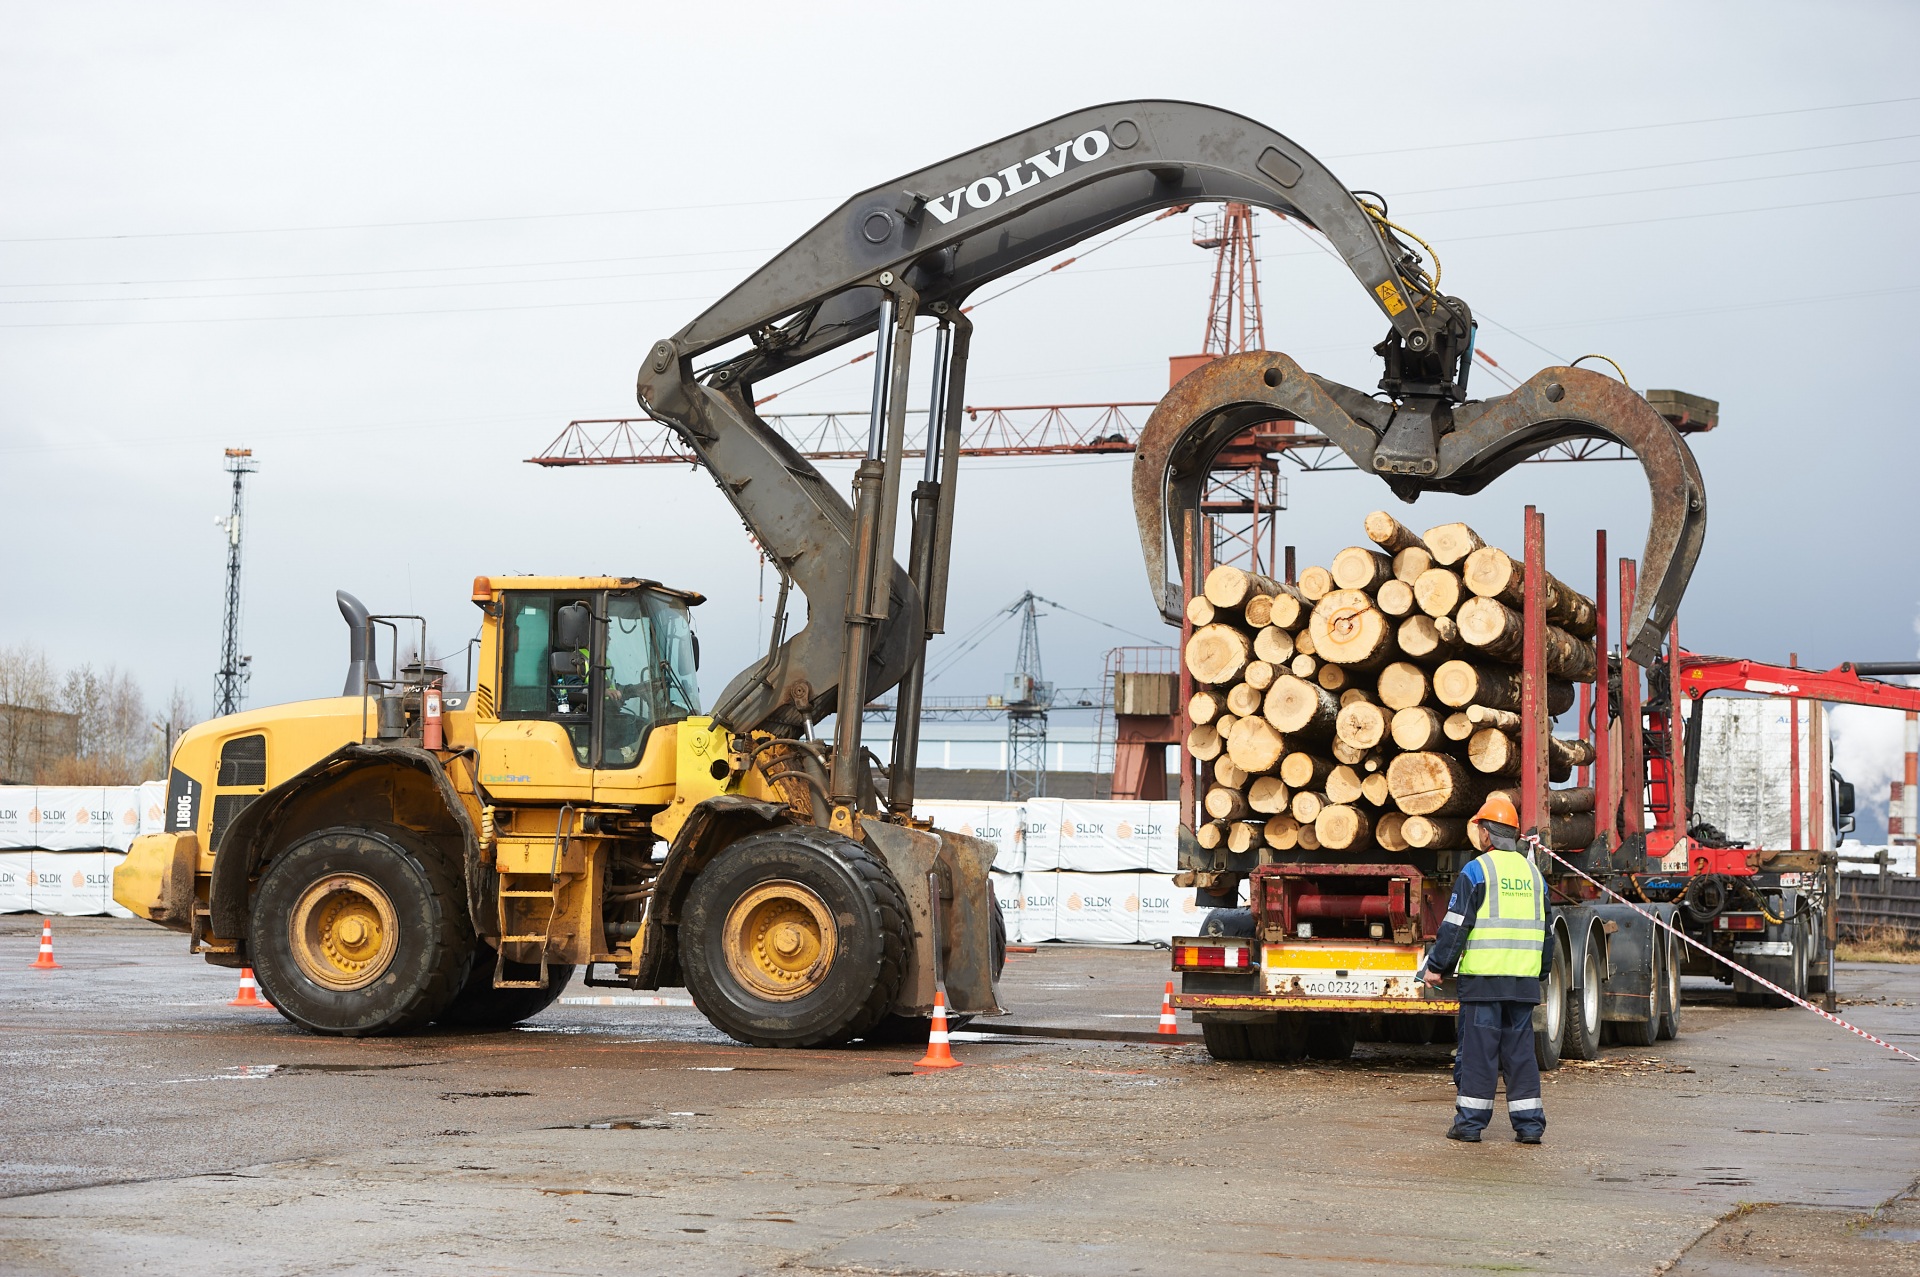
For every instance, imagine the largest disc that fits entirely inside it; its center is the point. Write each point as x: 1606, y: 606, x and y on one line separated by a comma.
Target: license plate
x: 1375, y: 971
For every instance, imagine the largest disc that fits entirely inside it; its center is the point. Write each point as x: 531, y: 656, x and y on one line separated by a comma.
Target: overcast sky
x: 394, y: 248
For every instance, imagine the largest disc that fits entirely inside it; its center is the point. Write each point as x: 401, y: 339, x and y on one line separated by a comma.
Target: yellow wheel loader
x: 400, y: 854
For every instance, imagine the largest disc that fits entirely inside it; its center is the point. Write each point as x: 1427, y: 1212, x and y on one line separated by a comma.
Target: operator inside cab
x: 1493, y: 942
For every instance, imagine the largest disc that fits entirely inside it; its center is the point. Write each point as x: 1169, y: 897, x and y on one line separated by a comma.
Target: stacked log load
x: 1374, y: 704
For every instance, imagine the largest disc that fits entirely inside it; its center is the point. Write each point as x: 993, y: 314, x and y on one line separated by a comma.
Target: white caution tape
x: 1722, y: 958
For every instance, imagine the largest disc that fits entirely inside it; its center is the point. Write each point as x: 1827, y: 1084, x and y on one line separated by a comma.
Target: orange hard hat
x: 1498, y: 808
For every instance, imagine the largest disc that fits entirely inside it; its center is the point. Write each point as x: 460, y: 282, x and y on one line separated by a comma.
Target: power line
x: 1656, y: 190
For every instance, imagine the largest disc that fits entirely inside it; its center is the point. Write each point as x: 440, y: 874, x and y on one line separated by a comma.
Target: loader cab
x: 587, y: 668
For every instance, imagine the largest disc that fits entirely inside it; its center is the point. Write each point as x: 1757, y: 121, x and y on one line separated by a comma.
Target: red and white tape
x: 1722, y: 958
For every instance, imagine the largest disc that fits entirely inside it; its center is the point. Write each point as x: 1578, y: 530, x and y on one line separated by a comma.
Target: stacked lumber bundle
x: 1375, y: 704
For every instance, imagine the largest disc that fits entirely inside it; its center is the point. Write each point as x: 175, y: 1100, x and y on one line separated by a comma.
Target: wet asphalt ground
x: 144, y: 1123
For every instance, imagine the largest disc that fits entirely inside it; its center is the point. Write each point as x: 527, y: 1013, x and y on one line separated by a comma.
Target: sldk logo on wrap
x: 1077, y: 902
x: 1040, y: 904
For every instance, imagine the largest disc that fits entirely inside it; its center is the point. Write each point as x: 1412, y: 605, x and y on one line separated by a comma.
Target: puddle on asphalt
x: 735, y: 1068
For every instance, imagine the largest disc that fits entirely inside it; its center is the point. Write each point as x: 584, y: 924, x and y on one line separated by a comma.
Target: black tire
x: 1281, y: 1040
x: 479, y: 1005
x: 1409, y: 1030
x: 1549, y: 1040
x: 1672, y: 961
x: 1331, y: 1034
x: 895, y: 1029
x: 1226, y: 1040
x: 871, y: 934
x: 1582, y: 1041
x: 432, y: 942
x: 1794, y: 980
x: 1821, y: 951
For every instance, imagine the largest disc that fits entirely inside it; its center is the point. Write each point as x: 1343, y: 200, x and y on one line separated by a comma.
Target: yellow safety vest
x: 1511, y: 929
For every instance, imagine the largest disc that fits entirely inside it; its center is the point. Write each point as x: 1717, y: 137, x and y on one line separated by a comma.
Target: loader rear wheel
x: 360, y: 931
x: 794, y: 938
x: 479, y: 1005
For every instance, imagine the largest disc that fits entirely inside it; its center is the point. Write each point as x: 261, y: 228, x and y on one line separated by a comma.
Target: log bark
x: 1432, y: 784
x: 1204, y: 707
x: 1395, y: 598
x: 1217, y: 653
x: 1315, y: 583
x: 1306, y: 807
x: 1387, y: 831
x: 1359, y: 568
x: 1571, y: 832
x: 1229, y: 773
x: 1212, y: 834
x: 1244, y: 699
x: 1246, y: 835
x: 1331, y: 677
x: 1433, y: 832
x: 1282, y: 832
x: 1199, y: 611
x: 1300, y: 708
x: 1348, y: 629
x: 1204, y: 742
x: 1451, y: 542
x: 1259, y: 675
x: 1254, y: 746
x: 1225, y: 804
x: 1343, y: 785
x: 1496, y: 630
x: 1567, y: 802
x: 1361, y: 725
x: 1268, y: 794
x: 1457, y: 727
x: 1273, y: 645
x: 1438, y: 591
x: 1229, y: 587
x: 1375, y: 790
x: 1402, y: 685
x: 1304, y: 771
x: 1418, y: 727
x: 1491, y: 573
x: 1390, y: 534
x: 1342, y: 827
x: 1429, y: 638
x: 1461, y: 683
x: 1410, y: 563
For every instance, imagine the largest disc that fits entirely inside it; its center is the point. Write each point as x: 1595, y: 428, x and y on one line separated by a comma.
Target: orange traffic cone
x: 249, y: 995
x: 939, y: 1054
x: 45, y: 961
x: 1169, y: 1023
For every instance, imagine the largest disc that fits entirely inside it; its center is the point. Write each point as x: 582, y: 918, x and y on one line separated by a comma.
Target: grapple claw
x: 1476, y: 443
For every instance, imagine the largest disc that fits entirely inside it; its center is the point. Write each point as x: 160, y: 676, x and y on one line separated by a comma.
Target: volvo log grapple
x: 401, y: 854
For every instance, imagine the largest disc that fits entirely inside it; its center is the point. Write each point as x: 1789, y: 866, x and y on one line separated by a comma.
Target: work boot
x: 1526, y: 1137
x: 1465, y: 1134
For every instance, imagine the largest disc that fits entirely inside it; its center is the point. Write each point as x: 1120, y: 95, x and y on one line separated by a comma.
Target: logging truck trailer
x: 1326, y: 950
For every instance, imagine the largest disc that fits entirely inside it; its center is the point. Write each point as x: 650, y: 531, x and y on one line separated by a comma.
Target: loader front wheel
x: 794, y: 938
x: 359, y: 932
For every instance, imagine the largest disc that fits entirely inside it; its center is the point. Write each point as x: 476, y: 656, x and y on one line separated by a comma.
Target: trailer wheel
x: 1226, y: 1040
x: 1820, y: 981
x: 1550, y: 1030
x: 1795, y: 979
x: 479, y: 1005
x: 1282, y: 1040
x: 1330, y: 1035
x: 794, y: 938
x: 359, y: 932
x: 1583, y: 1007
x: 1672, y: 959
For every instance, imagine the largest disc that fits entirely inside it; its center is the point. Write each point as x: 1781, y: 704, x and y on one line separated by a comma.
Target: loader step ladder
x: 528, y: 904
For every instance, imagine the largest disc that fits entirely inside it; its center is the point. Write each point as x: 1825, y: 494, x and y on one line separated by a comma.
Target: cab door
x: 541, y: 749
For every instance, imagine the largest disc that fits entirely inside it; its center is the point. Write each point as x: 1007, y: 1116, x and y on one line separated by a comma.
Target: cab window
x: 549, y: 665
x: 649, y: 670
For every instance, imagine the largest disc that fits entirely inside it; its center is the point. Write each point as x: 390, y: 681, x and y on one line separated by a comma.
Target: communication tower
x: 230, y: 682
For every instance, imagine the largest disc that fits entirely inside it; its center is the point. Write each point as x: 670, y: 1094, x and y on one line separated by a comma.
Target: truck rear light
x: 1227, y: 957
x: 1740, y: 922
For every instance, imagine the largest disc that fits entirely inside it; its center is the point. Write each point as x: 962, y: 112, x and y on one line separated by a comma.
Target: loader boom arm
x: 918, y: 247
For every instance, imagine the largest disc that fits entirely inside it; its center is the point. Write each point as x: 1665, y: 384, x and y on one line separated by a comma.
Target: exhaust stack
x: 361, y: 662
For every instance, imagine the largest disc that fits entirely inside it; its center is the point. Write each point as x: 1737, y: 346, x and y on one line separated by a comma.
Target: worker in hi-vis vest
x: 1493, y: 941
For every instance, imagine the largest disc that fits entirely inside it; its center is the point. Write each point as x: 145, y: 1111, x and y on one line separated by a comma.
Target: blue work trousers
x: 1497, y: 1038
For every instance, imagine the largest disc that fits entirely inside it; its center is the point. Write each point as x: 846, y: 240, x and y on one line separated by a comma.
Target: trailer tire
x: 360, y: 931
x: 1226, y: 1040
x: 1798, y: 963
x: 1330, y: 1035
x: 779, y: 899
x: 1282, y: 1040
x: 1551, y: 1034
x: 479, y: 1005
x: 1672, y: 960
x: 1583, y: 1006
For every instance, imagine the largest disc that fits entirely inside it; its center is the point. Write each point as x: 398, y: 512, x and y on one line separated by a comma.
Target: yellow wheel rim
x: 343, y: 932
x: 779, y: 940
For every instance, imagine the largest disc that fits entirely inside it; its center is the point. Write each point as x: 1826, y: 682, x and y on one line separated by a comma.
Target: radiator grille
x: 243, y: 761
x: 226, y: 808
